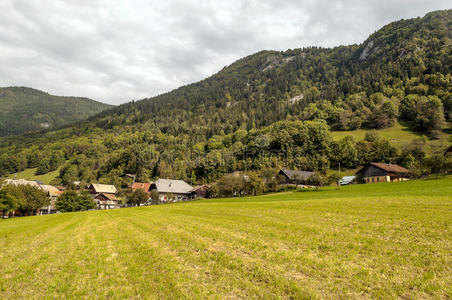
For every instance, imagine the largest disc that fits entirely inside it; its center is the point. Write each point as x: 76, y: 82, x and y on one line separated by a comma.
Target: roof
x: 386, y: 167
x: 18, y: 182
x: 104, y: 188
x: 49, y: 188
x: 141, y: 185
x: 109, y: 196
x: 347, y: 180
x: 292, y: 174
x: 172, y: 186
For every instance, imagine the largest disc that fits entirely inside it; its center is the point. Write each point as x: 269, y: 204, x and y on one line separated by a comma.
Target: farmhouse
x: 201, y: 191
x: 381, y: 172
x: 104, y: 196
x: 53, y: 193
x: 293, y: 176
x: 172, y: 190
x: 145, y: 186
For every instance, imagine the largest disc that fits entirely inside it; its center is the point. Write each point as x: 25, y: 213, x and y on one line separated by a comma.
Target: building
x: 381, y: 172
x: 107, y: 201
x: 145, y: 186
x: 293, y: 176
x: 347, y: 180
x: 104, y: 195
x: 17, y: 182
x: 172, y: 190
x: 201, y: 191
x: 53, y: 193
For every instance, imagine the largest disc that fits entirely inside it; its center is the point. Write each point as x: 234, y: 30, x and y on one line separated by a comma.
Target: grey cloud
x: 114, y: 51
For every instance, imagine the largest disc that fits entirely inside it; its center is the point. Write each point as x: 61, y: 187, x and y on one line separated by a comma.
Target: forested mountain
x: 267, y: 110
x: 25, y: 109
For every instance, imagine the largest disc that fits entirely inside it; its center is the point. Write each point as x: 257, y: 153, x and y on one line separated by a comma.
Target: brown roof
x: 108, y: 196
x: 141, y: 185
x: 386, y: 167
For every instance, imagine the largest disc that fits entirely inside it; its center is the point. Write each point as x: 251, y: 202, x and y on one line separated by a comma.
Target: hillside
x: 25, y: 109
x: 380, y: 241
x: 267, y: 111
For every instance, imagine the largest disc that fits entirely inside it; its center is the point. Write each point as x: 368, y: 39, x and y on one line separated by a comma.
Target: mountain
x: 25, y: 109
x: 267, y: 110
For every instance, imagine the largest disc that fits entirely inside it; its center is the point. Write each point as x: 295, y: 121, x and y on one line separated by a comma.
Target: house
x: 104, y: 195
x: 381, y: 172
x: 145, y: 186
x: 107, y: 201
x: 346, y: 180
x: 201, y: 191
x: 293, y: 176
x: 172, y: 190
x: 53, y: 193
x: 17, y: 182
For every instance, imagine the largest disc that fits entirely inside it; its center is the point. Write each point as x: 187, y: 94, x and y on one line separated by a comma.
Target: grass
x: 384, y: 240
x: 29, y: 174
x: 401, y: 134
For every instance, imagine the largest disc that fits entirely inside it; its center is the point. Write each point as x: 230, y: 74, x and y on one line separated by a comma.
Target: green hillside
x: 25, y: 109
x: 30, y: 174
x: 380, y: 241
x: 270, y: 110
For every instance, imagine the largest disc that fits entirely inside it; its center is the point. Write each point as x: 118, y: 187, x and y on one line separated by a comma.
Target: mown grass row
x: 378, y: 241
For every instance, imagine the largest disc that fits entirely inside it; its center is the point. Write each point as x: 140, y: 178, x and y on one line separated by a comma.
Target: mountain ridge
x: 26, y: 109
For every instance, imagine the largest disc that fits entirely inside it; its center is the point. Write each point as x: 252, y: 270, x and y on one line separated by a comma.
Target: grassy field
x: 29, y: 174
x: 384, y: 240
x: 401, y: 134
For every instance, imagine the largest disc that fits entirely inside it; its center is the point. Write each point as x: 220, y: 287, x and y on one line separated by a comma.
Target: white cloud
x: 117, y: 51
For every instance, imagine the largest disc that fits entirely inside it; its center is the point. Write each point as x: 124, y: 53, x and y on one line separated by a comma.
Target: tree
x: 33, y: 198
x: 7, y: 202
x: 437, y: 164
x: 71, y: 201
x: 137, y: 197
x: 253, y: 184
x: 155, y: 197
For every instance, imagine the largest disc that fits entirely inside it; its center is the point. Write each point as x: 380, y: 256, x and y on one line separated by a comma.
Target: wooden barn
x: 381, y: 172
x: 293, y: 176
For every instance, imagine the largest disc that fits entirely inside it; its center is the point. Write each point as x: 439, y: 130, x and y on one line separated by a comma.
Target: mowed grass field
x: 383, y: 240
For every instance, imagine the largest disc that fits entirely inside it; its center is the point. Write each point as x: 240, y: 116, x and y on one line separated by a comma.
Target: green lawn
x: 29, y: 174
x: 401, y: 134
x: 384, y: 240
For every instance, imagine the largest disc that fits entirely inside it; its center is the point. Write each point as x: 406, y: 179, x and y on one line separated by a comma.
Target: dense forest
x: 25, y: 109
x: 266, y: 111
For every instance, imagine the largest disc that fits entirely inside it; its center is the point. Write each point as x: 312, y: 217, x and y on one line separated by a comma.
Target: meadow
x: 383, y: 240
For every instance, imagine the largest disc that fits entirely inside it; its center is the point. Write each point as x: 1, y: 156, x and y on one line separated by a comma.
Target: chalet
x: 53, y: 193
x: 381, y: 172
x: 172, y: 190
x: 104, y: 195
x: 293, y: 176
x: 107, y: 201
x: 201, y: 191
x: 145, y: 186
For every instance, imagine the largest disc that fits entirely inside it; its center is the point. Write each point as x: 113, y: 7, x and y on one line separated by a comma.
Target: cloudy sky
x: 118, y: 51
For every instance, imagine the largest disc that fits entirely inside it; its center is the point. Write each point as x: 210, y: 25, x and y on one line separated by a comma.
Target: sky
x: 118, y: 51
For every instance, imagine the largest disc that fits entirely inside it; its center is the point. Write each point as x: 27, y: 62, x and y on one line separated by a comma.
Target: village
x: 164, y: 191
